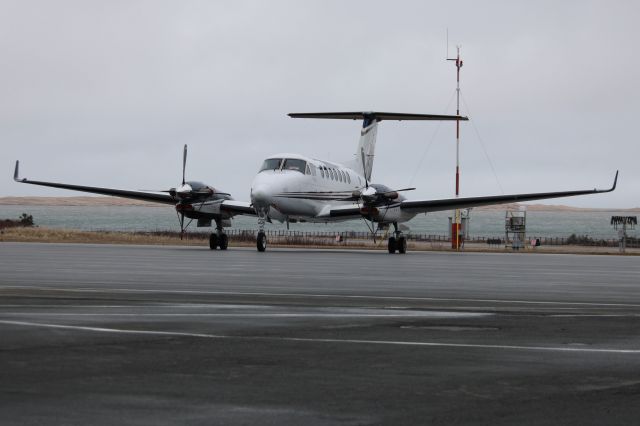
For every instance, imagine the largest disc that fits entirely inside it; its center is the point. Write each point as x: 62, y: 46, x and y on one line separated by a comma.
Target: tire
x: 402, y: 245
x: 261, y: 242
x: 224, y: 242
x: 391, y: 245
x: 213, y: 241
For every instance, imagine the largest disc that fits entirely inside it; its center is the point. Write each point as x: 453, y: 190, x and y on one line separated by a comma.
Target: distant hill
x: 114, y: 201
x: 73, y: 201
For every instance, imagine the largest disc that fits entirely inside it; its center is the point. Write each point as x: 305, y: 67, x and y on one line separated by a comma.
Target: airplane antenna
x: 455, y: 236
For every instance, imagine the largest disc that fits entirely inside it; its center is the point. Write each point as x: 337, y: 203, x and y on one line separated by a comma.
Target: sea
x: 483, y: 223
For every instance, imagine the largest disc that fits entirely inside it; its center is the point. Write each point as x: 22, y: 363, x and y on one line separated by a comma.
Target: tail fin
x: 363, y: 161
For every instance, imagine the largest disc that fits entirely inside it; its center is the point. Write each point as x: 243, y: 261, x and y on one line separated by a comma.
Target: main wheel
x: 224, y: 242
x: 213, y: 241
x: 402, y: 245
x: 392, y: 245
x: 261, y: 241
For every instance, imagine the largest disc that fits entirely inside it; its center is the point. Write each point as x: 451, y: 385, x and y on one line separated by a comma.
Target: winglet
x: 615, y: 181
x: 16, y: 172
x: 613, y: 187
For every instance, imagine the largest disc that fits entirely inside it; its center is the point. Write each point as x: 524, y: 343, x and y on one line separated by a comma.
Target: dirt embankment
x: 45, y: 235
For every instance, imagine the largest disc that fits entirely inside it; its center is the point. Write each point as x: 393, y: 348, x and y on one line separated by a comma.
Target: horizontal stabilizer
x: 378, y: 116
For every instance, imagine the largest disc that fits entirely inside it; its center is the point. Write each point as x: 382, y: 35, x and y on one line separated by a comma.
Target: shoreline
x: 119, y: 202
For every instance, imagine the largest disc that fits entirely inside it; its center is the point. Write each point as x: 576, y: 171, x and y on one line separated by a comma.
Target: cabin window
x: 322, y: 171
x: 333, y: 174
x: 344, y: 176
x: 348, y: 177
x: 313, y: 169
x: 271, y: 164
x: 307, y: 170
x: 295, y: 164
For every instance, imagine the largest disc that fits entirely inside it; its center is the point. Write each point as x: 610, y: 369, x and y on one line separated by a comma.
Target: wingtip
x: 16, y: 171
x: 615, y: 180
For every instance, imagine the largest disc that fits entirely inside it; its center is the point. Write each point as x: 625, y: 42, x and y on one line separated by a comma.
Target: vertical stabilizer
x: 366, y: 146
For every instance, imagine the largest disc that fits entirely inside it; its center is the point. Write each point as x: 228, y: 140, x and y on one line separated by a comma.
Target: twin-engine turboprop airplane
x: 292, y: 188
x: 192, y: 199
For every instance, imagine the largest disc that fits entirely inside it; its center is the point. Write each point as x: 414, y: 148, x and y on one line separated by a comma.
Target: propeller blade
x: 181, y: 225
x: 184, y: 162
x: 404, y: 189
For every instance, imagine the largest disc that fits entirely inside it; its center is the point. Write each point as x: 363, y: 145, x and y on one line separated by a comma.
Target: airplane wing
x: 135, y: 195
x: 238, y: 207
x: 425, y: 206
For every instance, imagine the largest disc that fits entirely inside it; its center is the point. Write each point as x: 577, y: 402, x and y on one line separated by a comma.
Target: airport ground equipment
x: 624, y: 223
x: 515, y: 228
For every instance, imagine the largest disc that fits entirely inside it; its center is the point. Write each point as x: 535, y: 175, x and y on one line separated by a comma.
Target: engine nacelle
x: 381, y: 214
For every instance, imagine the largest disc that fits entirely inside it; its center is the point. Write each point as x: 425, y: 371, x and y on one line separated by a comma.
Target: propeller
x: 184, y: 162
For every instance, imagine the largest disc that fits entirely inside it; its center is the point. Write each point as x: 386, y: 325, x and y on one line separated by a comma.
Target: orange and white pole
x: 455, y: 237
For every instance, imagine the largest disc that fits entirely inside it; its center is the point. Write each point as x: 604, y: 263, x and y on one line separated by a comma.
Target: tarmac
x: 165, y: 335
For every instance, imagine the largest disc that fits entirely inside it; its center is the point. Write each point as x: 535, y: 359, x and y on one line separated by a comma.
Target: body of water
x: 483, y: 223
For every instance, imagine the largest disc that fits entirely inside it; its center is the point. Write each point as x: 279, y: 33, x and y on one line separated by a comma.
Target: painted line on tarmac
x: 320, y: 340
x: 413, y: 314
x: 322, y: 295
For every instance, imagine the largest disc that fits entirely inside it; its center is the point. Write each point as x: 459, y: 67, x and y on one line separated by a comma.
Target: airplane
x: 292, y: 187
x: 295, y: 188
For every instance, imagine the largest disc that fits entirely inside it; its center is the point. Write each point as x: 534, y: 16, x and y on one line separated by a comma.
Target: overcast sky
x: 106, y: 93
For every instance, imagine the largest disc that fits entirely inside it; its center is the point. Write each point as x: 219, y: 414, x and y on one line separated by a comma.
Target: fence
x: 362, y: 238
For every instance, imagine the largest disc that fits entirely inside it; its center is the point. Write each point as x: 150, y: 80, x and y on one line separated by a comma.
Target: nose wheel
x: 261, y: 241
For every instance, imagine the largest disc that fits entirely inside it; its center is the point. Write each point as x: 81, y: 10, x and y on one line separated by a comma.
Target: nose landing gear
x: 261, y: 239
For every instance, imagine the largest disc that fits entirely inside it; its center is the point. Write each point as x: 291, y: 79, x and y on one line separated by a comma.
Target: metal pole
x: 457, y: 211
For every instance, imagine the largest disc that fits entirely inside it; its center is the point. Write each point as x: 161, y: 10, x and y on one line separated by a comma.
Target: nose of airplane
x: 261, y: 196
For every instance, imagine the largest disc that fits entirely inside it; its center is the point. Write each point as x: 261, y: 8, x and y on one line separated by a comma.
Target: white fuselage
x: 294, y: 187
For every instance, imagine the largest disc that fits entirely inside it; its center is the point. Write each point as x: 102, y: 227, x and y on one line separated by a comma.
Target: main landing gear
x: 397, y: 241
x: 218, y: 239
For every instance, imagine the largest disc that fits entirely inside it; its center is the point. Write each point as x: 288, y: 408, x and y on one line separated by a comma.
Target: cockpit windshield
x: 295, y: 164
x: 271, y: 164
